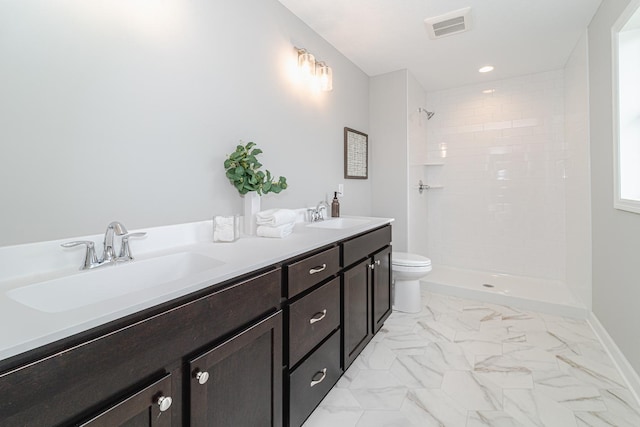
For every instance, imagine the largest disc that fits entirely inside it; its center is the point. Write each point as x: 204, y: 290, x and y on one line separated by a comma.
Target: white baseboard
x: 629, y: 374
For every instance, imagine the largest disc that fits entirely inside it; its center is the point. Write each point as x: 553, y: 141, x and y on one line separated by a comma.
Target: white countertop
x: 25, y: 328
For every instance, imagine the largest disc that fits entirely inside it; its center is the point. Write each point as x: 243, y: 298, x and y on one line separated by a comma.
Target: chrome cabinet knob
x: 202, y: 376
x: 164, y: 402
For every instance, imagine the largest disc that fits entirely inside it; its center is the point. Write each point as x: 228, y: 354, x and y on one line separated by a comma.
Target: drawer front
x: 312, y: 319
x: 312, y: 270
x: 362, y: 246
x: 313, y: 379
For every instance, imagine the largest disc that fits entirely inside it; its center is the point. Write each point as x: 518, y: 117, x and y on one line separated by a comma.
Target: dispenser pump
x: 335, y: 205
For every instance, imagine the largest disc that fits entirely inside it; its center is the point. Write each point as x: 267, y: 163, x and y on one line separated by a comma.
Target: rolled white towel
x: 275, y: 217
x: 279, y: 232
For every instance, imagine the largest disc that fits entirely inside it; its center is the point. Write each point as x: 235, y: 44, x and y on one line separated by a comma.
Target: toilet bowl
x: 407, y: 270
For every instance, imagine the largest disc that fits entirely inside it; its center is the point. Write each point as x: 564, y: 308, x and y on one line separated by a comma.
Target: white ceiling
x: 516, y: 36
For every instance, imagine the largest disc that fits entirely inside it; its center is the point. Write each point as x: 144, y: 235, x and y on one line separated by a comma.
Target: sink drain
x: 488, y: 285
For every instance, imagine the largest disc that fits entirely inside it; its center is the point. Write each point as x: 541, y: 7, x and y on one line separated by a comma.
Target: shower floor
x: 547, y: 296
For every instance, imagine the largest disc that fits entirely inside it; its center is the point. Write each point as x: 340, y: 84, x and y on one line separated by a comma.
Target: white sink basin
x: 110, y: 281
x: 338, y: 223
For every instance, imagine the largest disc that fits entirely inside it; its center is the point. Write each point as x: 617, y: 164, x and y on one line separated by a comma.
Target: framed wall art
x: 356, y: 154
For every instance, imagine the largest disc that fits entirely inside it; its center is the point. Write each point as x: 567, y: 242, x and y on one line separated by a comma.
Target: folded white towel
x: 280, y: 231
x: 275, y: 217
x: 224, y: 229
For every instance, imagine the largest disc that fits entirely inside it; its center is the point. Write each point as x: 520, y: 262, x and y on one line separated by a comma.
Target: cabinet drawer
x: 313, y: 379
x: 312, y: 318
x: 304, y: 274
x: 362, y: 246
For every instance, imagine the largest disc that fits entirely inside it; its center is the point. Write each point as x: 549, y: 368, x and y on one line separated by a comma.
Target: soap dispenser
x: 335, y: 206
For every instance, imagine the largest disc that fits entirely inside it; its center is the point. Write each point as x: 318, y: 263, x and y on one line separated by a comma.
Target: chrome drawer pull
x: 322, y: 374
x: 377, y: 262
x: 318, y: 316
x: 317, y: 269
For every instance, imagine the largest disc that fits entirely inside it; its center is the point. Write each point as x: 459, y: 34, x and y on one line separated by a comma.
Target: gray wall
x: 389, y: 151
x: 576, y: 177
x: 616, y: 234
x: 126, y: 110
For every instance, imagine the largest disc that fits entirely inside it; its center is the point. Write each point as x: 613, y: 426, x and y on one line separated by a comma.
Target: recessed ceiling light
x: 488, y: 91
x: 486, y: 69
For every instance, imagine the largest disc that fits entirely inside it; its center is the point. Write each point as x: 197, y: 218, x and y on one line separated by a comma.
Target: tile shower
x: 502, y: 207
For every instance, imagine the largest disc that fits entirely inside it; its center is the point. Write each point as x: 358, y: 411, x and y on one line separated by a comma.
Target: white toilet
x: 408, y: 269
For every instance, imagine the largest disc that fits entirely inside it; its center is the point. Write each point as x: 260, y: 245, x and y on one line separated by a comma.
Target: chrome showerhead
x: 428, y: 113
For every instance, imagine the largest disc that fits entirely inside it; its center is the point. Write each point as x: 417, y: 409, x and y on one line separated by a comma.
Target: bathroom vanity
x: 261, y: 348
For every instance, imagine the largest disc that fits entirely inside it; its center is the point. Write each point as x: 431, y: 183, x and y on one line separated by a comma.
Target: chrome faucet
x: 114, y: 228
x: 317, y: 214
x: 91, y: 260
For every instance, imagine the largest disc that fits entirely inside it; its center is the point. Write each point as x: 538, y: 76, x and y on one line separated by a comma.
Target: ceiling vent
x: 449, y: 24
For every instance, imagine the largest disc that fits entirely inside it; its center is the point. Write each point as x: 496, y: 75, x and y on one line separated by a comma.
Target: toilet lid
x: 410, y: 260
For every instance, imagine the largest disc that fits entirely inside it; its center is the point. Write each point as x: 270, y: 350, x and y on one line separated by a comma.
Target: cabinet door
x: 150, y: 407
x: 239, y: 382
x: 357, y: 310
x: 381, y: 288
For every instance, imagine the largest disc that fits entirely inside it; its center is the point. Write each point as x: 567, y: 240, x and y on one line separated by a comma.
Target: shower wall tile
x: 502, y: 207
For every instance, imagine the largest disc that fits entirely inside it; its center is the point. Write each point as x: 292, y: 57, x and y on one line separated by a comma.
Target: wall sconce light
x: 325, y: 76
x: 306, y: 63
x: 310, y: 68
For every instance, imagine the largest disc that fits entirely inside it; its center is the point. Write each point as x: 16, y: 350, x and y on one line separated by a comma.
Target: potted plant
x: 242, y: 168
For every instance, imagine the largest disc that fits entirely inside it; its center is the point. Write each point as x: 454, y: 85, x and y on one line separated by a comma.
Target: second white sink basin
x: 338, y: 223
x: 111, y: 281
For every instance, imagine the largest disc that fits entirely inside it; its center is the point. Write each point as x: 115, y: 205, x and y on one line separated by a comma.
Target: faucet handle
x: 90, y: 258
x: 125, y: 250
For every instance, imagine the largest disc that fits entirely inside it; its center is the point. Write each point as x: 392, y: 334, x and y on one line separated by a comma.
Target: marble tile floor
x: 463, y: 363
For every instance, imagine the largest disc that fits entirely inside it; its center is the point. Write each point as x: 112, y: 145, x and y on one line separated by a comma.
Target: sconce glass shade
x: 325, y: 77
x: 306, y: 63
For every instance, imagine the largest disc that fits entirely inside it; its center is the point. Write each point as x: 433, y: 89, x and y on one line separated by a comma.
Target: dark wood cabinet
x: 259, y: 350
x: 381, y: 288
x: 366, y: 290
x: 356, y: 302
x: 149, y: 407
x: 86, y: 379
x: 313, y: 332
x: 239, y: 382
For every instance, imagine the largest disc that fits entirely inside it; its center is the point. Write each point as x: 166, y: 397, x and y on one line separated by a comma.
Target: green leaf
x: 256, y: 152
x: 266, y: 187
x: 239, y: 171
